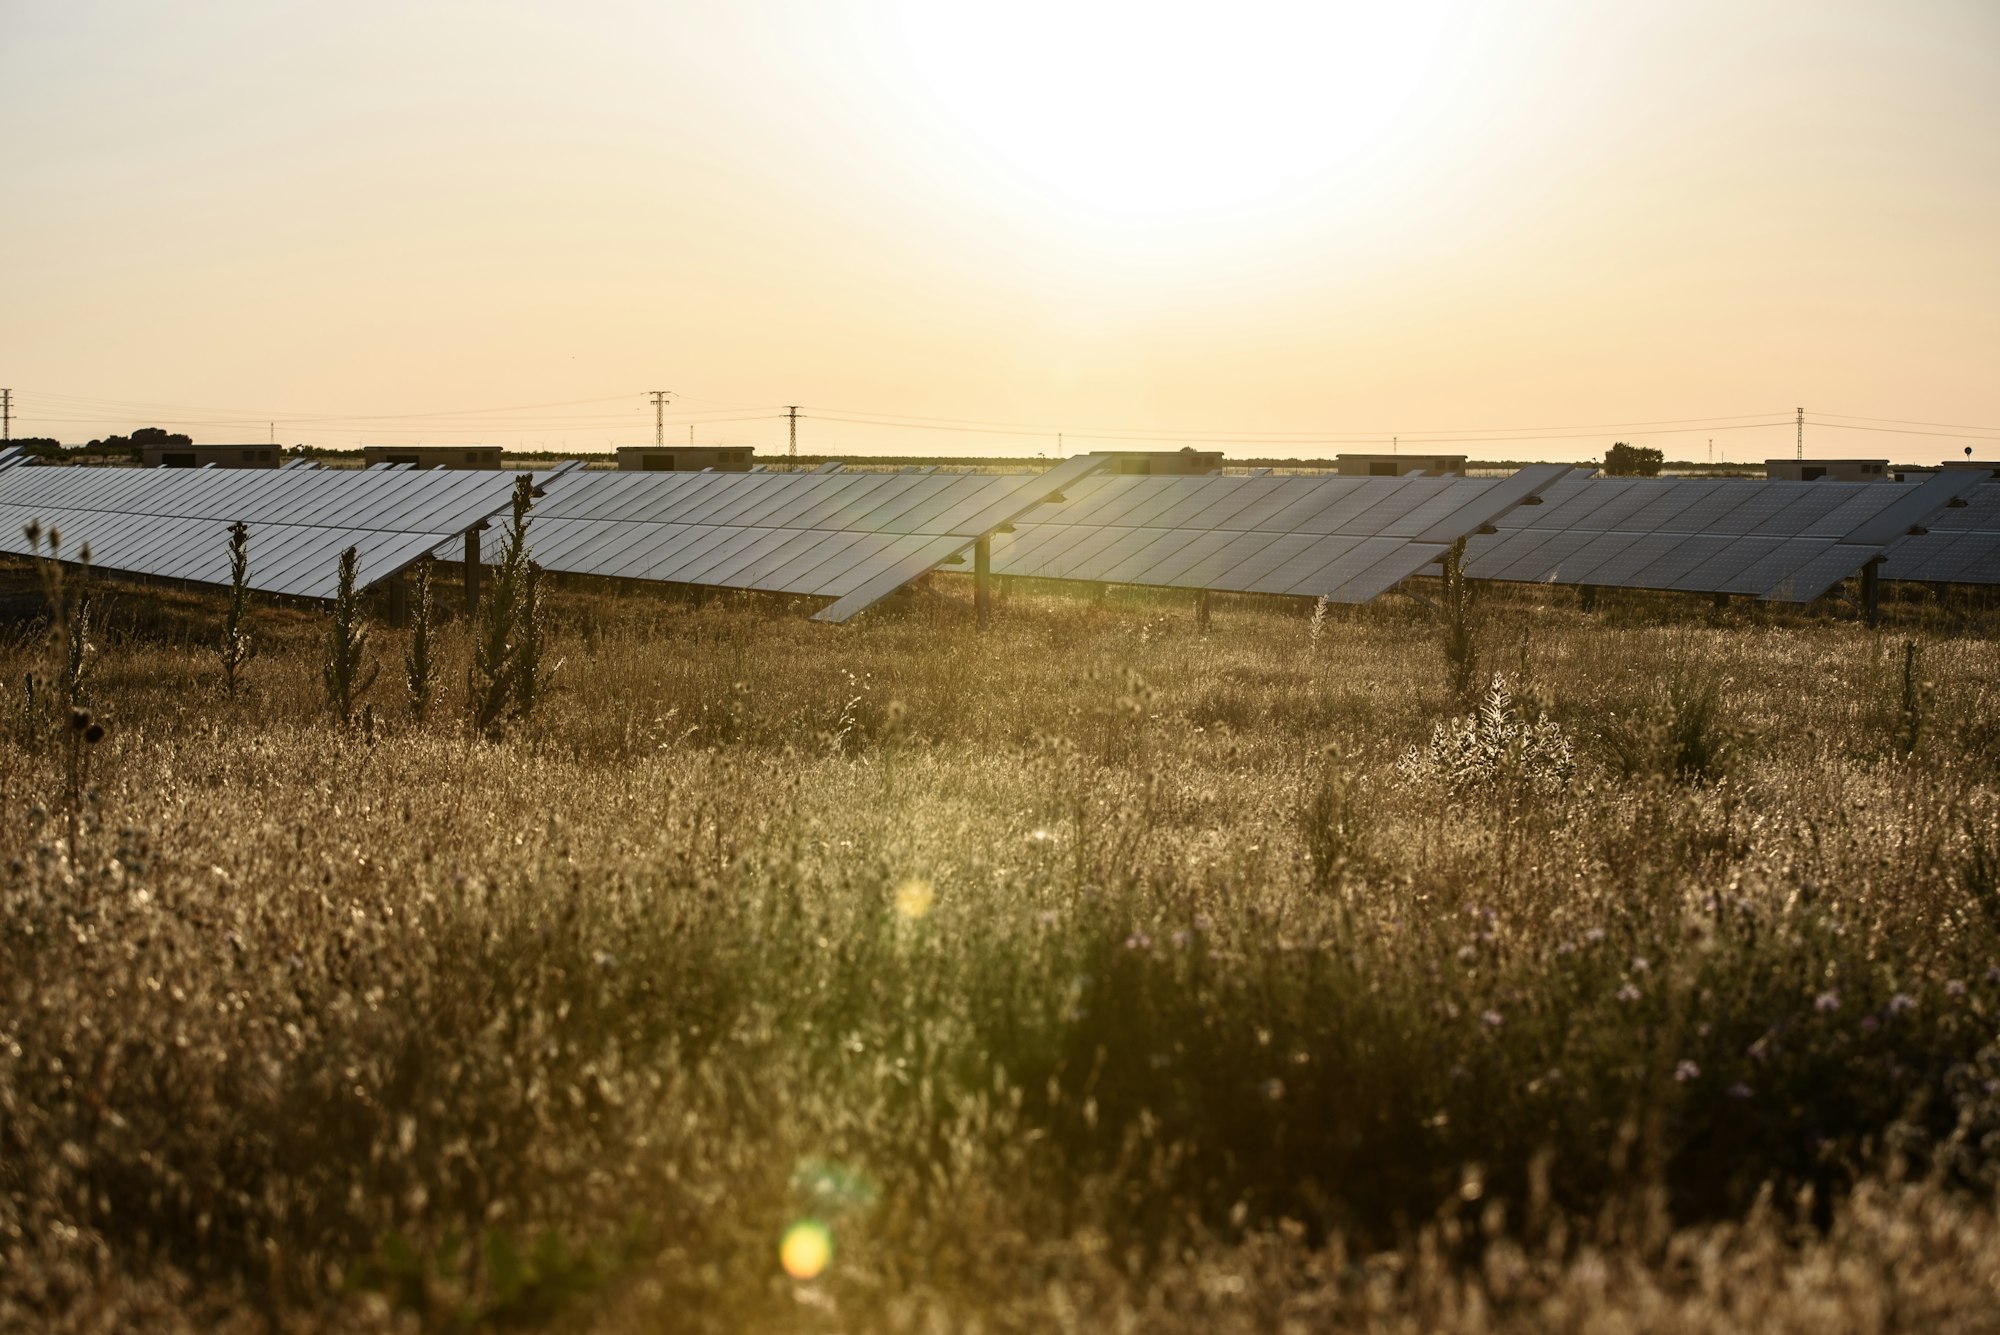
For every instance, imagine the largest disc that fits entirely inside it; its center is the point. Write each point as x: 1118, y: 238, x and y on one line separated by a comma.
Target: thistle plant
x: 1497, y: 741
x: 419, y: 661
x: 235, y: 648
x: 70, y: 651
x: 506, y: 676
x: 531, y: 681
x: 347, y: 673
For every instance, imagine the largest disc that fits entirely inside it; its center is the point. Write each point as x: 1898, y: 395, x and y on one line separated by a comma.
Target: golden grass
x: 1088, y: 974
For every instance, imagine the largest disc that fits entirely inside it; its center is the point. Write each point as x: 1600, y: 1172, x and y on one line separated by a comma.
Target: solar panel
x: 1962, y: 546
x: 848, y: 536
x: 1779, y: 541
x: 174, y: 523
x: 1345, y: 538
x: 12, y: 455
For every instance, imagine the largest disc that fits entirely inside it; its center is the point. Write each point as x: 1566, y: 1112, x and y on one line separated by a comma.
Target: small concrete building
x: 433, y: 456
x: 222, y: 456
x: 1184, y: 462
x: 1398, y: 465
x: 684, y: 458
x: 1840, y: 470
x: 1986, y: 466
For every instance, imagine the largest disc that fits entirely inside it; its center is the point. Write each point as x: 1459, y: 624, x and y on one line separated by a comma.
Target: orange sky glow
x: 1510, y: 230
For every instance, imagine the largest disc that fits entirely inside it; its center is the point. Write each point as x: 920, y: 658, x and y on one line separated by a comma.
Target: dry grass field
x: 1089, y: 974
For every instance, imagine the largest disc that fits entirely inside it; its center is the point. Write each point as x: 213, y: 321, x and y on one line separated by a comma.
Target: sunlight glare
x: 807, y: 1248
x: 914, y: 898
x: 1181, y: 107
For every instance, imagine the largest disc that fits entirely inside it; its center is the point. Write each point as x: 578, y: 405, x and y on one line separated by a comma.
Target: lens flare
x: 806, y: 1249
x: 914, y: 898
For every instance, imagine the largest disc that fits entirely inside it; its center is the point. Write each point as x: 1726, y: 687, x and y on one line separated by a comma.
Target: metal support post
x: 471, y: 571
x: 1871, y: 591
x: 1586, y: 597
x: 982, y: 579
x: 1201, y: 611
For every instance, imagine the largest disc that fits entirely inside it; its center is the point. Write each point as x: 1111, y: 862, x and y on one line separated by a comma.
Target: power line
x: 1895, y: 431
x: 1248, y: 438
x: 1901, y: 421
x: 1041, y: 428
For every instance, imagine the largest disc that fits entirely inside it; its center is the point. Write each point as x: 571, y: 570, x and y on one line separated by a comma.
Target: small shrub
x: 1681, y: 735
x: 1333, y: 825
x: 1496, y: 742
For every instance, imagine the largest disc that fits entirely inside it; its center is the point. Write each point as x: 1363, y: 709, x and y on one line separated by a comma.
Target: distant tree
x: 42, y: 447
x: 1623, y: 460
x: 139, y: 440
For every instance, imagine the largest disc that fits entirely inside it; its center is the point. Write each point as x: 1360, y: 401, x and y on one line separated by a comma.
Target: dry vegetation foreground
x: 1089, y: 974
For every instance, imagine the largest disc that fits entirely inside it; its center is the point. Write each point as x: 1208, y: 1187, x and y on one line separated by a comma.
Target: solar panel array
x: 1962, y: 546
x: 1779, y: 541
x: 174, y: 523
x: 1348, y: 539
x: 851, y: 537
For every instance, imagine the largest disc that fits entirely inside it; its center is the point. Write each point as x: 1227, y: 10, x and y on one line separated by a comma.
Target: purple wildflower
x: 1687, y: 1071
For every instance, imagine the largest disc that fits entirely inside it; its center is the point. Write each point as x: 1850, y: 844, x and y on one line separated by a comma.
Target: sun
x: 1170, y: 108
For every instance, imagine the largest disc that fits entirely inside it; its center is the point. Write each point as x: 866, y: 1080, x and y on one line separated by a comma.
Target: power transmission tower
x: 792, y: 449
x: 6, y: 414
x: 660, y: 397
x: 1799, y: 450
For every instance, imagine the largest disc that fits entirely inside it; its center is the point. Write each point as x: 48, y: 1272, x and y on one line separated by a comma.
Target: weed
x: 1914, y: 702
x: 420, y: 659
x: 1495, y: 743
x: 235, y: 648
x: 505, y: 677
x: 1461, y: 623
x: 1680, y: 735
x: 346, y: 672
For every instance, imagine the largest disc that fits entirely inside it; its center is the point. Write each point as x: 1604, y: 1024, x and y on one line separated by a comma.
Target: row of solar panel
x: 1775, y: 540
x: 171, y: 523
x: 852, y: 537
x: 1346, y: 539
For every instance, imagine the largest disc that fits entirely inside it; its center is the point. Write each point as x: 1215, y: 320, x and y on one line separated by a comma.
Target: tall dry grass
x: 1093, y: 972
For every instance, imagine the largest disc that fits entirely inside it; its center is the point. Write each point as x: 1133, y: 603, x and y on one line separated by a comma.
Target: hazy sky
x: 1296, y: 228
